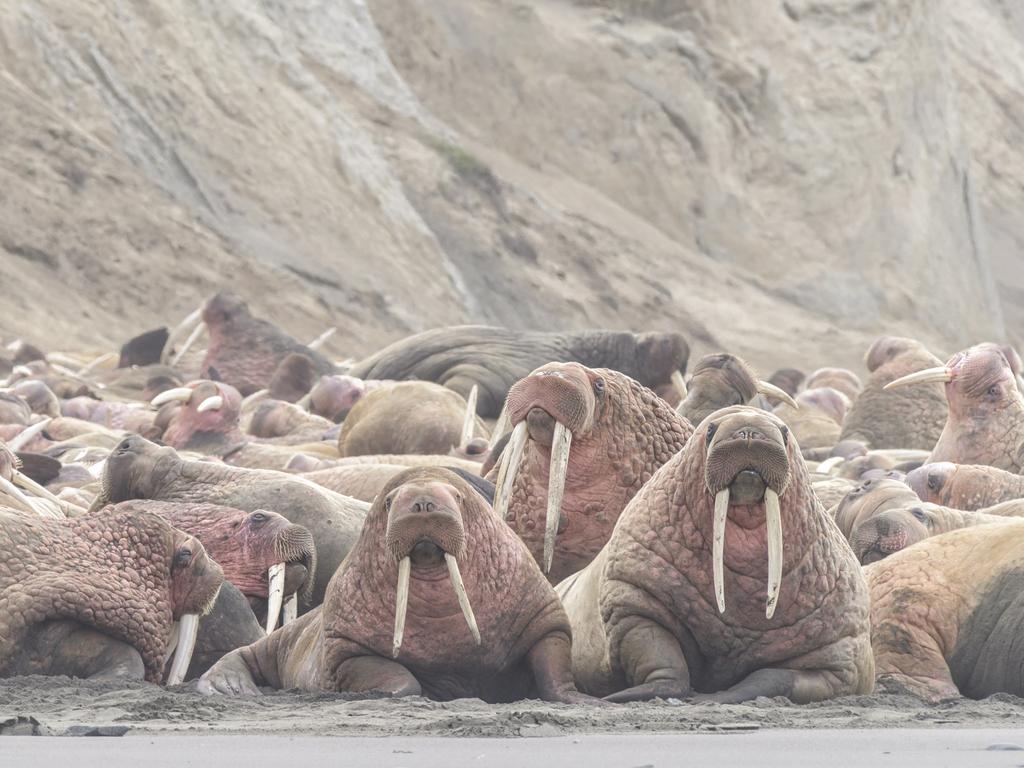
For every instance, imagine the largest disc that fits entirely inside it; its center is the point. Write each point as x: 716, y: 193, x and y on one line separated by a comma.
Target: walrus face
x: 746, y: 470
x: 979, y: 382
x: 721, y: 380
x: 195, y: 578
x: 129, y: 469
x: 890, y: 531
x: 334, y: 396
x: 206, y: 407
x: 874, y: 495
x: 425, y: 529
x: 222, y: 309
x: 557, y: 393
x: 931, y: 481
x: 886, y: 348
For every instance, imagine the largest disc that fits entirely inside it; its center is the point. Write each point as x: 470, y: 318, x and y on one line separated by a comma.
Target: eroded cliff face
x: 784, y: 181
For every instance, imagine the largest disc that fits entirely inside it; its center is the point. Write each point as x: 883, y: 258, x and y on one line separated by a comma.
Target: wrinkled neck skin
x: 514, y: 609
x: 162, y: 478
x: 632, y: 436
x: 980, y: 432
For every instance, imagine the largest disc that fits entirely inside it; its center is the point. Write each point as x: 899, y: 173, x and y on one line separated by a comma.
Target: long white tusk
x: 304, y: 401
x: 561, y: 442
x: 773, y: 520
x: 291, y: 609
x: 101, y: 360
x: 188, y: 343
x: 826, y: 467
x: 766, y: 388
x: 460, y: 593
x: 213, y: 403
x: 188, y: 629
x: 275, y: 594
x: 29, y: 484
x: 255, y: 395
x: 96, y: 470
x: 179, y: 394
x: 185, y: 326
x: 469, y: 420
x: 401, y: 604
x: 927, y: 376
x: 679, y: 384
x: 26, y: 436
x: 14, y: 493
x: 718, y: 547
x: 318, y: 342
x: 510, y: 459
x: 502, y: 424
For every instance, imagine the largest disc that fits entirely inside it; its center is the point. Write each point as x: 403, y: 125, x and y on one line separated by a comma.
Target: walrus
x: 947, y: 615
x: 840, y: 379
x: 584, y: 441
x: 897, y: 528
x: 985, y: 423
x: 244, y: 350
x: 870, y: 497
x: 721, y: 380
x: 437, y: 598
x: 724, y: 580
x: 818, y: 420
x: 139, y: 469
x: 97, y: 596
x: 885, y: 418
x: 494, y: 359
x: 965, y: 486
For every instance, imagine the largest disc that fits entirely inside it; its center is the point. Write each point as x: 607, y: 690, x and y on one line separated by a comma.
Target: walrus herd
x: 480, y: 512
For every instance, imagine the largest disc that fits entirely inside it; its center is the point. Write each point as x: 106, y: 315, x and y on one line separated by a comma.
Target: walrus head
x: 746, y: 470
x: 222, y: 310
x: 721, y: 380
x: 872, y: 496
x: 209, y: 411
x: 425, y: 530
x: 132, y: 470
x: 892, y: 530
x: 931, y: 481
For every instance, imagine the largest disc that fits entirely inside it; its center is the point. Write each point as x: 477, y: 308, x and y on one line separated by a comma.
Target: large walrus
x: 985, y: 423
x: 496, y: 358
x: 947, y: 615
x: 437, y: 598
x: 882, y: 418
x: 724, y: 580
x: 584, y: 442
x: 139, y: 469
x: 965, y: 486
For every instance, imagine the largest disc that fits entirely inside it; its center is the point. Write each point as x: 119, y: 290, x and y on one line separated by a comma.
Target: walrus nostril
x: 748, y: 433
x: 423, y: 505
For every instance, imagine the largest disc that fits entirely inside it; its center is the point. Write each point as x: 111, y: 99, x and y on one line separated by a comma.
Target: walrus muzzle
x: 746, y: 468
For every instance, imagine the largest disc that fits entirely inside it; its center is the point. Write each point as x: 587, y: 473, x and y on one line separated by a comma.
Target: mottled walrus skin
x: 621, y: 434
x: 496, y: 358
x: 424, y: 518
x: 138, y: 469
x: 899, y: 418
x: 417, y: 417
x: 245, y: 351
x: 645, y: 615
x: 965, y: 486
x: 947, y: 615
x: 870, y: 497
x: 84, y: 597
x: 891, y: 530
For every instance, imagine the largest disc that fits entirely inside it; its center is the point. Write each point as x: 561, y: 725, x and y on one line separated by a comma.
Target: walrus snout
x: 425, y: 513
x: 541, y: 426
x: 747, y: 488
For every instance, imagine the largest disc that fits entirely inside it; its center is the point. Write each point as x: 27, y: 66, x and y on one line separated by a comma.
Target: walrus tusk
x: 26, y: 436
x: 460, y: 593
x: 96, y: 470
x: 213, y: 403
x: 502, y: 424
x: 773, y: 521
x: 249, y: 398
x: 101, y: 360
x: 561, y: 442
x: 188, y: 343
x: 29, y: 484
x: 291, y: 609
x: 770, y: 390
x: 826, y: 467
x: 679, y: 384
x: 275, y: 594
x: 185, y: 326
x: 718, y: 546
x: 510, y: 459
x: 19, y: 499
x: 179, y: 394
x: 469, y: 420
x: 188, y: 629
x: 401, y: 604
x: 318, y: 342
x: 927, y: 376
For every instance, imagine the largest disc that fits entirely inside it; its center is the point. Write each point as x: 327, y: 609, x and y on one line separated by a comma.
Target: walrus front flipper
x: 798, y: 685
x: 650, y: 655
x: 550, y: 661
x: 375, y: 673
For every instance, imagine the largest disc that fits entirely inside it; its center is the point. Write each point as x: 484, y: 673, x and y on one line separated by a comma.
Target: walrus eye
x: 182, y: 558
x: 712, y: 428
x: 258, y: 518
x: 387, y: 503
x: 919, y: 514
x: 993, y: 391
x: 785, y: 435
x: 599, y: 386
x: 933, y: 482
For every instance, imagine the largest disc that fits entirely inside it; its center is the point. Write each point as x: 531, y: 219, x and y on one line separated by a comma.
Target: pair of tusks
x: 402, y: 600
x: 561, y: 442
x: 469, y: 420
x: 183, y: 643
x: 773, y: 522
x: 318, y: 342
x: 183, y: 395
x: 20, y: 482
x: 191, y: 325
x: 927, y: 376
x: 275, y: 598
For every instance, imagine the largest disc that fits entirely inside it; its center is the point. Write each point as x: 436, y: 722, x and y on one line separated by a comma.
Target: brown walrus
x: 965, y: 486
